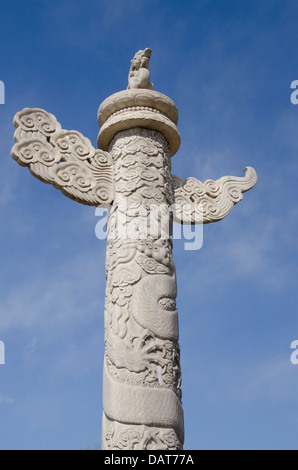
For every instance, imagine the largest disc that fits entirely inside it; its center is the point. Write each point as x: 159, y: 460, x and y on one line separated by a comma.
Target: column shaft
x: 142, y: 377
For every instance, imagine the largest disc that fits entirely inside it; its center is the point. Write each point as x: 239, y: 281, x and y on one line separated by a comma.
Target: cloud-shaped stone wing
x: 65, y: 159
x: 197, y: 202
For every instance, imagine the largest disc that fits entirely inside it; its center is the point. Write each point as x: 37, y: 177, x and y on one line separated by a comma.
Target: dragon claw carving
x: 136, y: 354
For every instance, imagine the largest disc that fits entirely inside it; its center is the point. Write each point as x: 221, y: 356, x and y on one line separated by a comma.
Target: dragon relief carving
x: 136, y: 352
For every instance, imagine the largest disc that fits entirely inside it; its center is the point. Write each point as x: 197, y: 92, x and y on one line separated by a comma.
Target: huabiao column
x: 130, y: 172
x: 142, y: 377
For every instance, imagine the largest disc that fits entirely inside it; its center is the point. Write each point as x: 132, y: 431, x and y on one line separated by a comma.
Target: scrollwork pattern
x: 65, y: 159
x: 74, y: 143
x: 35, y: 150
x: 197, y: 202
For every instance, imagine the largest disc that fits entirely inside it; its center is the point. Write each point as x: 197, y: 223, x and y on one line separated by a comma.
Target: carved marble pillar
x: 142, y: 377
x: 131, y: 173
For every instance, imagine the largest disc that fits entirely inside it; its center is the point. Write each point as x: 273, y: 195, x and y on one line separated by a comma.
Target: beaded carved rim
x: 138, y: 98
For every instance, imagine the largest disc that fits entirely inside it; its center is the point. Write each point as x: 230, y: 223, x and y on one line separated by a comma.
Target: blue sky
x: 228, y: 66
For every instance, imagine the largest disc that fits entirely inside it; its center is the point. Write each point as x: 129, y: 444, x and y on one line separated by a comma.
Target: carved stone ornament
x: 139, y: 75
x: 131, y: 172
x: 65, y: 159
x: 197, y: 202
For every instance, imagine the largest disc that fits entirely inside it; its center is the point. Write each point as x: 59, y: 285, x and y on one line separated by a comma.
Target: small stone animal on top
x: 139, y: 75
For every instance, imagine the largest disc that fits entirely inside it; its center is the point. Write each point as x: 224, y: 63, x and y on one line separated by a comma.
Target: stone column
x: 131, y: 172
x: 142, y: 377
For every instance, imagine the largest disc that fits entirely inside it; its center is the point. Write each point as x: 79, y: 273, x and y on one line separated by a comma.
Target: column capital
x: 138, y: 108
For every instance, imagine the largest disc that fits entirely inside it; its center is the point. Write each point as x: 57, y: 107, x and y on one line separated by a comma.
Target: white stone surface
x: 142, y: 374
